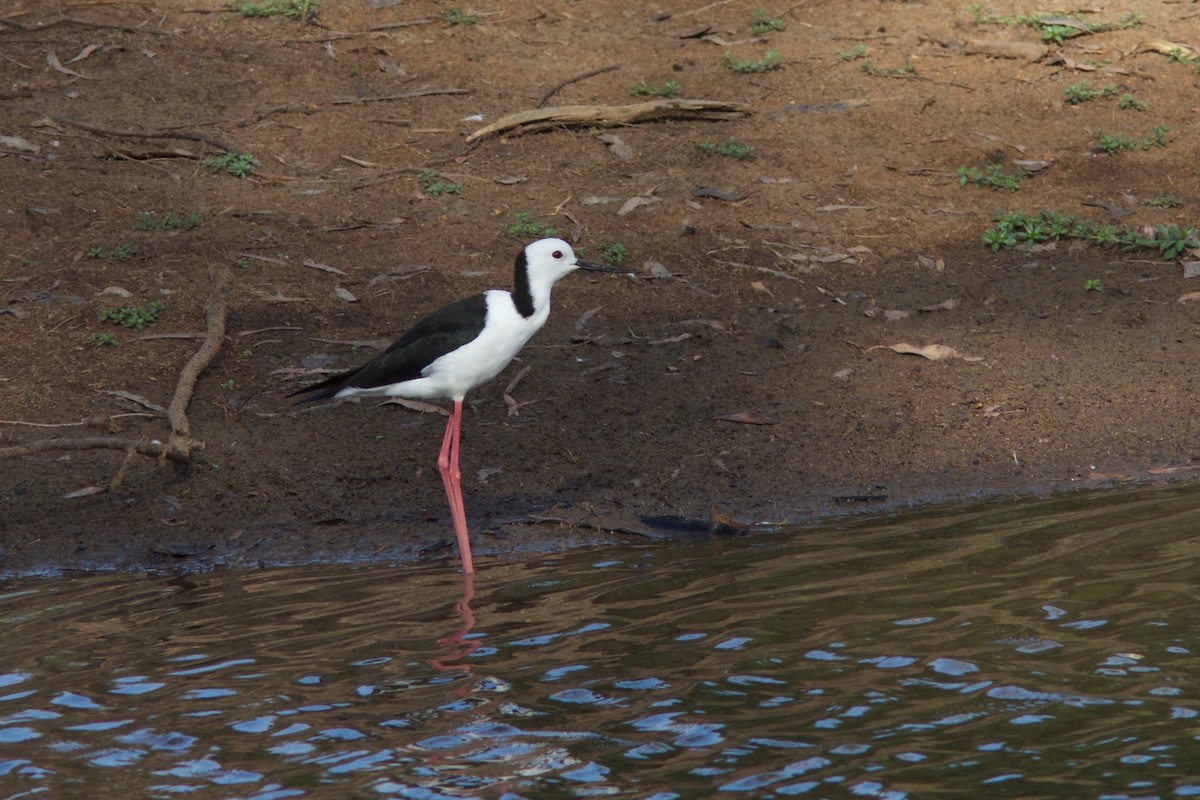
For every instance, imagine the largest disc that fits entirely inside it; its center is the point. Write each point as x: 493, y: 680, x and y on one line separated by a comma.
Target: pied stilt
x: 458, y: 348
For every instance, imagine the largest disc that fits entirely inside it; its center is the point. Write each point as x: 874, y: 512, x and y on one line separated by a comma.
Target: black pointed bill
x: 594, y: 267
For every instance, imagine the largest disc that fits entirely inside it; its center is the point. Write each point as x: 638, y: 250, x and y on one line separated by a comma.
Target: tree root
x: 180, y: 444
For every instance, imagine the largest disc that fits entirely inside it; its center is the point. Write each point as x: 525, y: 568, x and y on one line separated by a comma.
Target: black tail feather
x: 322, y: 390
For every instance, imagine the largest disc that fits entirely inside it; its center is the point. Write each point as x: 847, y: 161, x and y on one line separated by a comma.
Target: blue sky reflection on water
x: 1044, y: 649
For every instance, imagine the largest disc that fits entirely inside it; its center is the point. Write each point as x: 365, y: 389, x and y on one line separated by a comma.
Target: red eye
x: 557, y: 254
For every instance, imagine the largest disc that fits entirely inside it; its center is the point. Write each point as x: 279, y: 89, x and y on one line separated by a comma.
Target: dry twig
x: 609, y: 116
x: 591, y: 73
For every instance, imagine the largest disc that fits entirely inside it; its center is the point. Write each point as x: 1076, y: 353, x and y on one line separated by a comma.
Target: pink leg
x: 452, y: 479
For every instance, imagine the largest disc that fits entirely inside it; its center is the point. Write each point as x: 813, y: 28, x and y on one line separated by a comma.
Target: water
x: 1038, y: 650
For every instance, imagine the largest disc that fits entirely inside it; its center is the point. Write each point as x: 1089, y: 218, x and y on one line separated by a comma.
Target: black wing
x: 433, y: 337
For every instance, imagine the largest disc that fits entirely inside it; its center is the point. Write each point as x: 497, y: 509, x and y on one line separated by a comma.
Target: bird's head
x: 554, y: 258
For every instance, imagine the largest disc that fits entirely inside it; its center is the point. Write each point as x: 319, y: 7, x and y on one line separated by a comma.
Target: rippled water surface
x: 1040, y: 650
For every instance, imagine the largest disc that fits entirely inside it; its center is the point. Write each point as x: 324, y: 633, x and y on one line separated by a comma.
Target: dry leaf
x: 17, y: 143
x: 1190, y: 297
x: 617, y: 145
x: 52, y: 60
x: 749, y: 418
x: 392, y: 68
x: 308, y: 262
x: 345, y: 294
x: 86, y: 491
x: 945, y: 305
x: 1191, y: 269
x: 759, y: 286
x: 84, y: 53
x: 934, y: 352
x: 636, y: 201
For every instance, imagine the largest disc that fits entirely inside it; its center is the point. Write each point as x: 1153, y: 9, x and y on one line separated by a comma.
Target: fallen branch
x: 180, y: 445
x: 124, y: 134
x: 591, y: 73
x: 609, y: 116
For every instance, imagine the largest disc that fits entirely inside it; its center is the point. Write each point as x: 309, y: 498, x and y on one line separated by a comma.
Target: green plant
x: 668, y: 89
x: 1163, y: 201
x: 731, y: 149
x: 993, y: 177
x: 1174, y: 240
x: 859, y: 51
x: 1110, y: 143
x: 762, y: 22
x: 1127, y: 101
x: 434, y: 186
x: 172, y: 222
x: 1013, y: 228
x: 25, y: 263
x: 242, y: 263
x: 1082, y: 92
x: 228, y: 385
x: 238, y: 165
x: 133, y: 316
x: 770, y: 60
x: 1093, y: 285
x: 100, y: 339
x: 295, y: 9
x: 525, y: 226
x: 458, y: 17
x: 122, y: 252
x: 908, y: 70
x: 1157, y: 137
x: 614, y: 253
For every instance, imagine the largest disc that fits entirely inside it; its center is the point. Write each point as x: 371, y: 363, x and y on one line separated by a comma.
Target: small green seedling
x: 763, y: 22
x: 859, y: 51
x: 1093, y: 285
x: 1164, y: 201
x: 1172, y: 241
x: 1157, y: 137
x: 1014, y: 228
x: 434, y: 186
x: 614, y: 253
x: 1112, y: 143
x: 122, y: 252
x: 668, y: 89
x: 525, y: 226
x: 731, y: 149
x: 242, y: 263
x: 1127, y: 101
x: 1083, y: 92
x: 295, y: 9
x: 172, y: 222
x: 993, y: 177
x: 457, y: 16
x: 770, y: 60
x: 228, y: 385
x: 100, y: 340
x: 907, y: 71
x: 133, y: 316
x: 239, y: 165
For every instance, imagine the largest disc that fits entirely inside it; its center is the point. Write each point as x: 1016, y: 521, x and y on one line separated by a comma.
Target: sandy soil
x: 744, y: 374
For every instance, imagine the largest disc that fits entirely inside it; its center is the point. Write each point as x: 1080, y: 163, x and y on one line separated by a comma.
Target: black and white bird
x: 458, y: 348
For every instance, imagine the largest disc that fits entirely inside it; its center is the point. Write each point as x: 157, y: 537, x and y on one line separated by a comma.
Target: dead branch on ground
x: 191, y: 136
x: 180, y: 444
x: 609, y: 116
x: 591, y: 73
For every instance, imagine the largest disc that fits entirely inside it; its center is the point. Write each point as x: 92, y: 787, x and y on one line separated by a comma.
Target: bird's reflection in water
x: 458, y: 644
